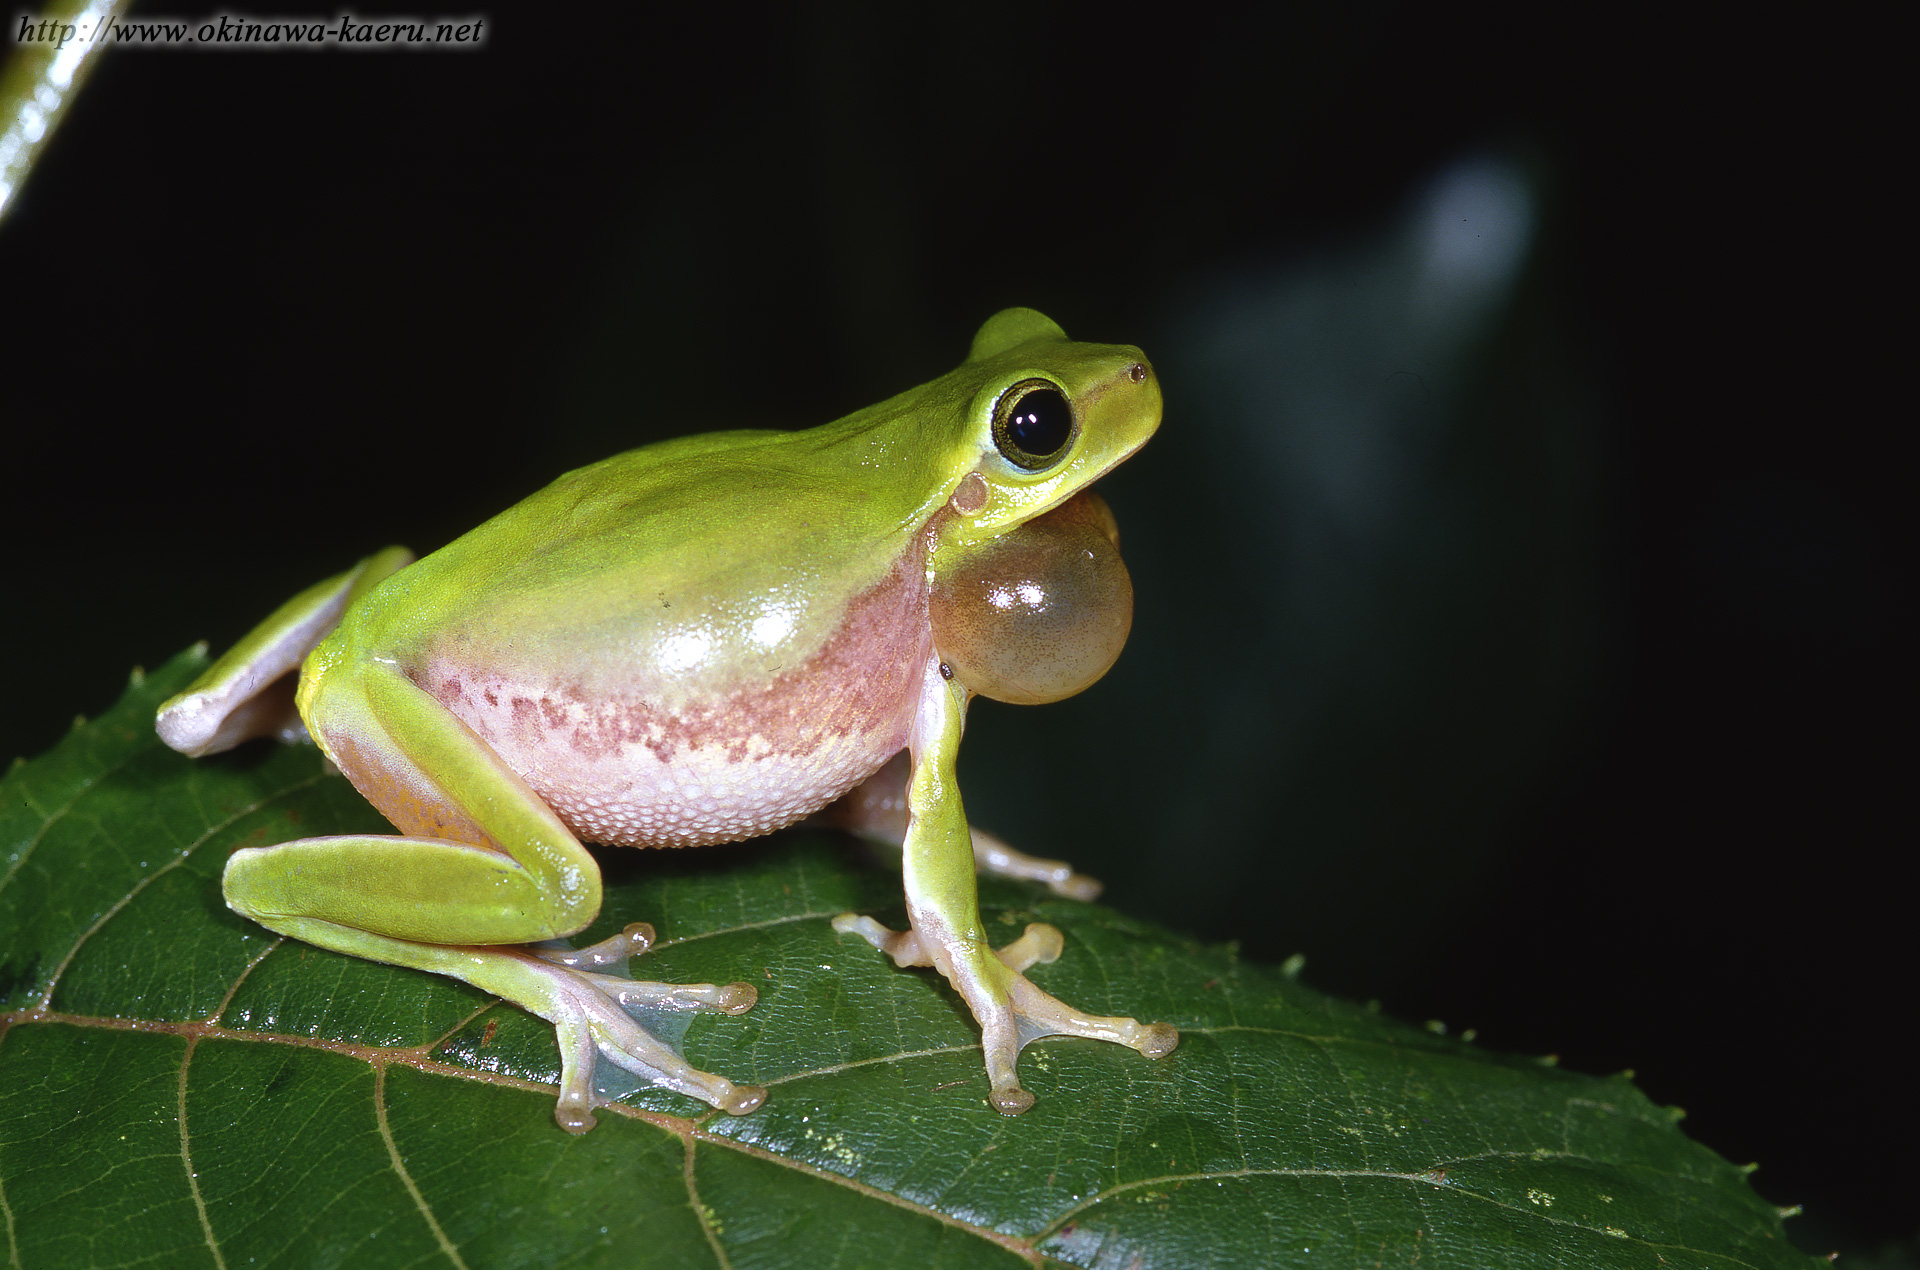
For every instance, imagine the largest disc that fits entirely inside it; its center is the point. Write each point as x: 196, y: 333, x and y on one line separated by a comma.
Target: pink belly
x: 616, y: 772
x: 626, y: 769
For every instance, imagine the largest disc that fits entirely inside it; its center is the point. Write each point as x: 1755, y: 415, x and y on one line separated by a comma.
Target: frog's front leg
x: 944, y: 909
x: 483, y: 863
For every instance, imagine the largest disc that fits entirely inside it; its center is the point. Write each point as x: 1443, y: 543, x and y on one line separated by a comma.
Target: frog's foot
x: 1011, y: 1010
x: 726, y: 998
x: 248, y: 693
x: 876, y: 809
x: 996, y: 857
x: 1037, y: 1014
x: 1037, y: 945
x: 588, y: 1015
x: 635, y: 939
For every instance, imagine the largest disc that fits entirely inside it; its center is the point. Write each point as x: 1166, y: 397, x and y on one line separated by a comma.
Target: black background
x: 266, y: 312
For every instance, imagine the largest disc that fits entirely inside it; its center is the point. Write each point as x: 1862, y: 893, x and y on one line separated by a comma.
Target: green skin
x: 697, y: 641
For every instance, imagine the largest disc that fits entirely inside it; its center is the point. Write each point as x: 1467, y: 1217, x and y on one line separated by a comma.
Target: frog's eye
x: 1033, y: 424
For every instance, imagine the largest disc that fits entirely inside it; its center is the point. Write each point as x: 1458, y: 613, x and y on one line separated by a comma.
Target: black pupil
x: 1041, y: 422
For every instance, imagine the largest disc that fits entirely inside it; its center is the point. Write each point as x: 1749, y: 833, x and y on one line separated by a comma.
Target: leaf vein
x: 1012, y: 1243
x: 700, y: 1210
x: 179, y: 858
x: 747, y: 926
x: 6, y: 1210
x: 186, y: 1157
x: 902, y: 1056
x: 400, y: 1168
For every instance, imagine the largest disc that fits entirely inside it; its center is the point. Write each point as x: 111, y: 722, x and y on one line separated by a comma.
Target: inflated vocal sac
x: 1040, y: 612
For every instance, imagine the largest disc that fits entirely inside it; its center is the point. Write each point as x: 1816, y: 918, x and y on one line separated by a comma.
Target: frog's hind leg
x: 482, y: 862
x: 248, y: 693
x: 944, y: 908
x: 876, y: 809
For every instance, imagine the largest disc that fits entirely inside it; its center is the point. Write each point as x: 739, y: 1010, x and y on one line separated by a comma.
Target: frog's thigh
x: 485, y: 862
x: 498, y: 868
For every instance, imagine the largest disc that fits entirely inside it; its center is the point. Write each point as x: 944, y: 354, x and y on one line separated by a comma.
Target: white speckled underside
x: 627, y: 793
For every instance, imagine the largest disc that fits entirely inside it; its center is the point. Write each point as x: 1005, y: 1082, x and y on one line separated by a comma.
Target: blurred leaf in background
x: 1358, y: 653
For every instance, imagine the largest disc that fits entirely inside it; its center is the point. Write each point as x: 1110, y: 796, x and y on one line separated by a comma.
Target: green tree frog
x: 696, y: 642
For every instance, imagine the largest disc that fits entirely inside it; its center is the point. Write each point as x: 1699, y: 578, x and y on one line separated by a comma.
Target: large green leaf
x: 179, y: 1087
